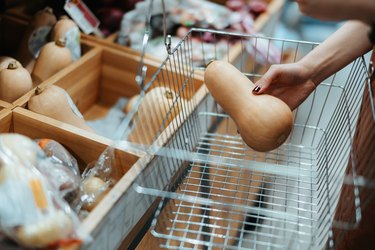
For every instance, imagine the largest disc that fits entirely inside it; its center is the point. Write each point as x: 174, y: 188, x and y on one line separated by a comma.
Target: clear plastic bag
x: 32, y: 212
x: 65, y: 171
x: 96, y: 181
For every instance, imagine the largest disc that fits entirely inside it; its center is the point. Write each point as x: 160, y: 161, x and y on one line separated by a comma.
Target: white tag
x: 82, y: 15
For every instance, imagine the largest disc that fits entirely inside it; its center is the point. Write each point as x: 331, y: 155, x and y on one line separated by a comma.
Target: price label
x: 82, y: 15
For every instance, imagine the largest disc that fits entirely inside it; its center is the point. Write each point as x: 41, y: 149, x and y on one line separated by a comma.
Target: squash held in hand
x: 264, y: 121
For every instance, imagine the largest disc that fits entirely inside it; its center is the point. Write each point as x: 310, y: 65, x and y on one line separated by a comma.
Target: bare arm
x: 294, y: 82
x: 341, y: 48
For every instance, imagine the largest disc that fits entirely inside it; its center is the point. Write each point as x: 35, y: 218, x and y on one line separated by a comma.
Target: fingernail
x: 256, y: 89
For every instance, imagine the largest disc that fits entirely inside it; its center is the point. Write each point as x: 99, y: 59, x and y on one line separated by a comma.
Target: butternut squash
x: 263, y: 121
x: 15, y: 81
x: 5, y: 60
x: 128, y: 107
x: 35, y: 37
x: 53, y: 57
x: 157, y: 109
x: 66, y: 28
x: 52, y: 101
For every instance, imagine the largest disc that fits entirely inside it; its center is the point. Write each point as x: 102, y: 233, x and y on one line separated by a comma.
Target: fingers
x: 264, y: 83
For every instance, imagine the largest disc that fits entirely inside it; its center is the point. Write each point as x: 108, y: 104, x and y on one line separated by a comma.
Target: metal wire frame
x: 212, y: 182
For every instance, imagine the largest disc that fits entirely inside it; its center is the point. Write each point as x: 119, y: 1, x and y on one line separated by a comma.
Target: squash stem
x: 12, y: 65
x: 38, y: 90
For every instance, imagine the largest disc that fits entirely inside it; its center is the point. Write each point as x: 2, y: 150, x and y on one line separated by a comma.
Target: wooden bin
x: 97, y: 81
x: 119, y: 218
x: 95, y: 84
x: 86, y: 148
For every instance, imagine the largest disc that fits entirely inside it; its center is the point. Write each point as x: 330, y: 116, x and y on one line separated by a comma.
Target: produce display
x: 35, y: 37
x: 234, y: 16
x: 31, y: 209
x: 45, y: 192
x: 53, y: 102
x: 264, y: 122
x: 48, y: 45
x: 43, y: 195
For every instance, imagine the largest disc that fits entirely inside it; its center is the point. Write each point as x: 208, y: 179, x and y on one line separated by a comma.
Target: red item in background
x: 257, y: 7
x: 110, y: 18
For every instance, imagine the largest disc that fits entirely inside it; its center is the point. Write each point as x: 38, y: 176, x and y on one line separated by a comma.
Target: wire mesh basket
x: 217, y: 193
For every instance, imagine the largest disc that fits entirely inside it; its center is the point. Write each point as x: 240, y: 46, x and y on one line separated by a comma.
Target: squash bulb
x: 15, y: 81
x: 157, y: 109
x: 52, y: 101
x: 53, y: 57
x: 263, y: 121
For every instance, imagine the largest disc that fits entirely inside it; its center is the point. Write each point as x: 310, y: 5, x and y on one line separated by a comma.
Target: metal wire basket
x: 215, y: 192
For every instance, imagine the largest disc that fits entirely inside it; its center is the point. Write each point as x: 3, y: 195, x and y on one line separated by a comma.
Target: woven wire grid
x: 218, y: 193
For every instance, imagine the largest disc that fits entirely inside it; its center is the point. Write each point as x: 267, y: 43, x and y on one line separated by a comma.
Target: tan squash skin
x: 5, y: 60
x: 154, y: 107
x: 15, y: 81
x: 61, y: 27
x: 53, y: 103
x: 264, y: 122
x: 42, y: 18
x: 53, y: 57
x: 128, y: 107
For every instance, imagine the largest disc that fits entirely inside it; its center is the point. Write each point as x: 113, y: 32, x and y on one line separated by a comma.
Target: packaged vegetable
x: 32, y: 213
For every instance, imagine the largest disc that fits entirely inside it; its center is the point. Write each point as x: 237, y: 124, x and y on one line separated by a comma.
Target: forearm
x: 341, y: 48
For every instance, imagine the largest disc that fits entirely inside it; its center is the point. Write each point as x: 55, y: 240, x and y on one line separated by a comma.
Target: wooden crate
x: 86, y: 148
x: 97, y: 81
x: 121, y: 215
x: 95, y: 84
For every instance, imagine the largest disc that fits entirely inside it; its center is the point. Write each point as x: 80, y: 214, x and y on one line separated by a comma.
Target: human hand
x: 291, y: 83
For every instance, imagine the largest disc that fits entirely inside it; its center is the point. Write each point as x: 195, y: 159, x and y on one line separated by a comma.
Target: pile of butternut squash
x: 48, y: 45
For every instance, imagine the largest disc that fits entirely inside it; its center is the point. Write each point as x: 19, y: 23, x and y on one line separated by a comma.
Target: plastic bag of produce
x: 97, y: 180
x: 65, y: 172
x: 32, y: 212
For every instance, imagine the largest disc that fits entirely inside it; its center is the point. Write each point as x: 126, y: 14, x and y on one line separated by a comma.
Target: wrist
x: 310, y: 70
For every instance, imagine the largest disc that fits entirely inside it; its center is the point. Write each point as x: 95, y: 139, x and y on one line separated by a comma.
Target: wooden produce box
x: 265, y: 23
x: 86, y: 149
x: 98, y: 80
x: 95, y: 84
